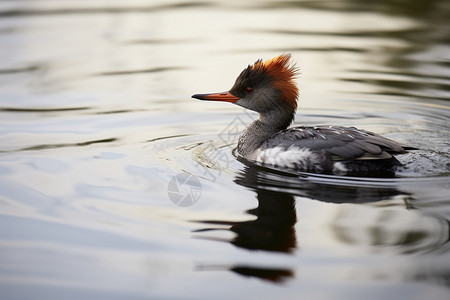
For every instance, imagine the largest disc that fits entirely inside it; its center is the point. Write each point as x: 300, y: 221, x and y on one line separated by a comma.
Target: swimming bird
x: 269, y: 88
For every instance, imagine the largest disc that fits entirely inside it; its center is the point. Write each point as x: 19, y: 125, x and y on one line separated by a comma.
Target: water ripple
x: 26, y: 12
x: 80, y: 144
x: 142, y: 71
x: 42, y: 110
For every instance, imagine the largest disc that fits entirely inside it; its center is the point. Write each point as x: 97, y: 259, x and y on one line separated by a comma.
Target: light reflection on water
x: 96, y: 119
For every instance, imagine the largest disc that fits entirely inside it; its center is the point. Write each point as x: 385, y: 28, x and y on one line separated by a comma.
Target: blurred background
x: 97, y: 124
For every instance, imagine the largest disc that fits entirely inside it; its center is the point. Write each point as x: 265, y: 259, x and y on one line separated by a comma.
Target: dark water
x: 114, y: 184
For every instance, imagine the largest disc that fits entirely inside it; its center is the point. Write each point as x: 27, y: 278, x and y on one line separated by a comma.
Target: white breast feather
x: 292, y: 157
x: 339, y: 168
x: 298, y: 158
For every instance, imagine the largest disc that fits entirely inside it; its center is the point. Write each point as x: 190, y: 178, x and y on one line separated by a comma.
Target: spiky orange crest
x: 283, y: 73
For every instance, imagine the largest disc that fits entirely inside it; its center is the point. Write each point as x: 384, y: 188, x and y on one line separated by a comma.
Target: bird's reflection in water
x: 274, y: 226
x: 275, y: 275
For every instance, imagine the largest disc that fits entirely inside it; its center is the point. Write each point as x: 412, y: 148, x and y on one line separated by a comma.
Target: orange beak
x: 225, y: 96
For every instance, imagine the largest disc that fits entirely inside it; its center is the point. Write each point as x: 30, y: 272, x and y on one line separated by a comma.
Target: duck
x: 269, y: 88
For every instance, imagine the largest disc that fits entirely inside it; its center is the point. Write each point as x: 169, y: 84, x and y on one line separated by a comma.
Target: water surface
x: 98, y: 131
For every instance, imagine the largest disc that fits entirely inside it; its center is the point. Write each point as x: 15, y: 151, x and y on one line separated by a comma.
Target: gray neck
x: 261, y: 129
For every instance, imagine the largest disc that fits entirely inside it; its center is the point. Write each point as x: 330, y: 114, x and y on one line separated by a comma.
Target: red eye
x: 249, y: 90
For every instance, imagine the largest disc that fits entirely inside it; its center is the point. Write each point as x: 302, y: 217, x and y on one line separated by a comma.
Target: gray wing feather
x: 340, y: 142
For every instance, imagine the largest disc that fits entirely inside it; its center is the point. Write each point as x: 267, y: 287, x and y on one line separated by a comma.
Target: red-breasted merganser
x: 269, y: 89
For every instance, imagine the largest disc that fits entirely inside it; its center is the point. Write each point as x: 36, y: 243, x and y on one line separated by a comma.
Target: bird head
x: 262, y: 87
